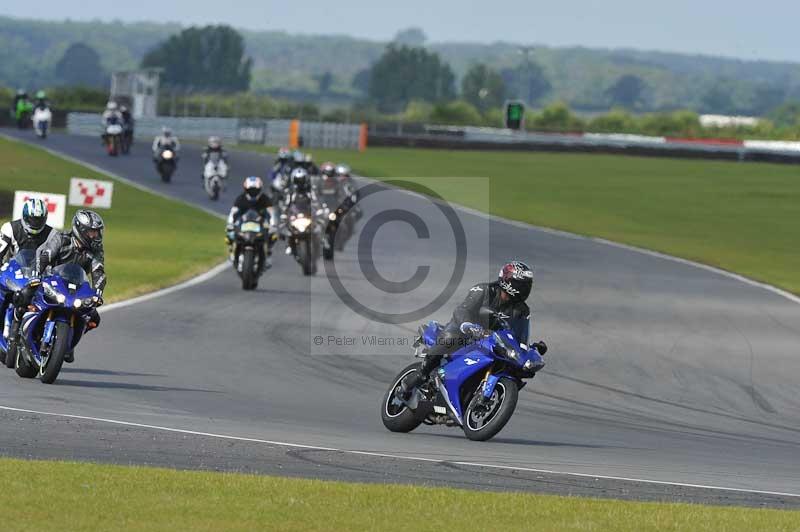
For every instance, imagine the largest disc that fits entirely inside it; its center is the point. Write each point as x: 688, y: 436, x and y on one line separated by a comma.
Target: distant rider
x: 21, y: 95
x: 343, y: 174
x: 283, y: 163
x: 41, y: 101
x: 253, y: 198
x: 485, y: 306
x: 214, y: 146
x: 128, y: 123
x: 111, y: 115
x: 165, y: 141
x: 83, y: 245
x: 22, y: 108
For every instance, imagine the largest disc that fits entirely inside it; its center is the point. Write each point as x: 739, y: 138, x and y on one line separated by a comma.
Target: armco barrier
x: 481, y: 138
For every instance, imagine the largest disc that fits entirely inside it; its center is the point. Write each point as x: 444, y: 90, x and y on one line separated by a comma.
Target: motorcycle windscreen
x: 25, y: 258
x: 71, y: 273
x: 521, y: 328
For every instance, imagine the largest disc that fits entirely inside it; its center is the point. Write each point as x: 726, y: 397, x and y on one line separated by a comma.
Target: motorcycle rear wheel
x: 56, y: 359
x: 502, y: 405
x: 400, y: 418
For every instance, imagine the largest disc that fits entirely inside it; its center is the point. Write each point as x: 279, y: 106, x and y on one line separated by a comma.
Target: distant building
x: 138, y: 89
x: 728, y: 121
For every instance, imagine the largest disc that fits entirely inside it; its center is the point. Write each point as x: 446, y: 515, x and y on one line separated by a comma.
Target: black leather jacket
x: 64, y: 250
x: 488, y: 295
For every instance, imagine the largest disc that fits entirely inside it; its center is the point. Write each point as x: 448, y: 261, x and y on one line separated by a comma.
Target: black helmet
x: 516, y: 279
x: 87, y: 229
x: 300, y: 180
x: 34, y: 216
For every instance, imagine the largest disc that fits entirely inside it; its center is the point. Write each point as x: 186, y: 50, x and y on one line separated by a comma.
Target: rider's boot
x: 410, y: 382
x: 69, y: 356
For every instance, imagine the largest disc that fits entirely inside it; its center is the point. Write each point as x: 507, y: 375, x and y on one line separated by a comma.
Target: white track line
x: 203, y: 277
x: 395, y: 456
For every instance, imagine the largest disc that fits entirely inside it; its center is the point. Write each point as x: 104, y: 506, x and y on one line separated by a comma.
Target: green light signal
x: 515, y: 111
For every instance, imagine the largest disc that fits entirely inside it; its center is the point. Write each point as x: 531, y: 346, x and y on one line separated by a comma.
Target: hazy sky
x: 752, y: 30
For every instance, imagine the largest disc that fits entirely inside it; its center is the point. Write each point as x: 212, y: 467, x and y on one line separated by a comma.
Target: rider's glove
x: 471, y: 329
x: 541, y: 347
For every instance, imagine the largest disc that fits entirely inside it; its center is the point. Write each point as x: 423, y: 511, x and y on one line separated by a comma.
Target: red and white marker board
x: 90, y: 193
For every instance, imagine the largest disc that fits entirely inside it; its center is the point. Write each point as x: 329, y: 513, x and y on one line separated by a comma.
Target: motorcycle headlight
x: 301, y: 224
x: 167, y: 155
x: 332, y: 216
x: 52, y: 296
x: 78, y: 303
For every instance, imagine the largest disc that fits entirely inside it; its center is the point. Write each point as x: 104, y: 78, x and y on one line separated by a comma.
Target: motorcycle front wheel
x: 396, y: 416
x: 484, y: 418
x: 249, y: 278
x: 306, y: 257
x: 56, y: 358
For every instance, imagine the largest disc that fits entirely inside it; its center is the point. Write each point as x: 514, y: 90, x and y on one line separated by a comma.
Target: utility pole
x: 528, y: 89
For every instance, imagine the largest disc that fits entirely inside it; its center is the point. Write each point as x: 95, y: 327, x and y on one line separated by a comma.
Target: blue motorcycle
x: 476, y: 387
x: 55, y: 322
x: 14, y: 276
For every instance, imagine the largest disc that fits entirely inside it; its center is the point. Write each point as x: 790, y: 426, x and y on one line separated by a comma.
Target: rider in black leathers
x: 484, y: 307
x: 128, y: 123
x: 253, y: 198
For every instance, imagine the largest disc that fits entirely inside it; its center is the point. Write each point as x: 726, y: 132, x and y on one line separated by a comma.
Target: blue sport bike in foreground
x: 476, y: 387
x: 53, y: 323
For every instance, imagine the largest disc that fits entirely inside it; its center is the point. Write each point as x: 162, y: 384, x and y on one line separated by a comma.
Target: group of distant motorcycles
x: 315, y: 225
x: 475, y: 388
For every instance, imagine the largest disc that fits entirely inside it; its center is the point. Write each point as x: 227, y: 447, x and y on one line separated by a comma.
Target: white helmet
x: 112, y: 106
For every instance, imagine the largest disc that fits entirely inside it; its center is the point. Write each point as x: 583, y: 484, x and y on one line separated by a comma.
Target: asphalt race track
x: 658, y: 370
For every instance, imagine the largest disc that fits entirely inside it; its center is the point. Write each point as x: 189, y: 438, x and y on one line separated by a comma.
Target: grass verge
x: 741, y: 217
x: 150, y: 242
x: 89, y: 497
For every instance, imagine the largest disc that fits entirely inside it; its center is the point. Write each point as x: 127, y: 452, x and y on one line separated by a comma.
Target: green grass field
x: 150, y: 242
x: 89, y: 497
x: 742, y: 217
